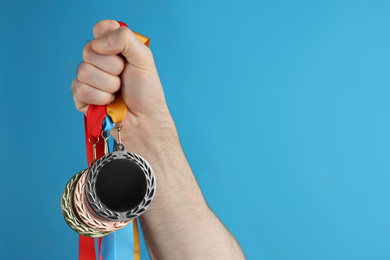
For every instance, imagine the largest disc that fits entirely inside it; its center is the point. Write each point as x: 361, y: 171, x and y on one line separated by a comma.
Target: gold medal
x: 71, y: 218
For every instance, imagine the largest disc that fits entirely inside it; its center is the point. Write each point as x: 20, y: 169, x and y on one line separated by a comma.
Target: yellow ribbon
x: 145, y: 40
x: 117, y: 109
x: 137, y: 254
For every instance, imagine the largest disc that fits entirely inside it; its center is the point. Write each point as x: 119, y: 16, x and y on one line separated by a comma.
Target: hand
x: 117, y: 61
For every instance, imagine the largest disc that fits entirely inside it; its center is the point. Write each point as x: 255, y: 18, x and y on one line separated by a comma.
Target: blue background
x: 282, y: 109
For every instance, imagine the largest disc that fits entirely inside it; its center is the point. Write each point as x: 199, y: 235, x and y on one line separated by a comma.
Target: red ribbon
x: 123, y: 24
x: 93, y: 125
x: 95, y: 117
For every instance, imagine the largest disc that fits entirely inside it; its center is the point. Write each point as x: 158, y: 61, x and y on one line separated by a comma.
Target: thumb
x: 123, y: 41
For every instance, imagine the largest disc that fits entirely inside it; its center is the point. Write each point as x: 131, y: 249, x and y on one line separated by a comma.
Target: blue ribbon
x: 119, y: 245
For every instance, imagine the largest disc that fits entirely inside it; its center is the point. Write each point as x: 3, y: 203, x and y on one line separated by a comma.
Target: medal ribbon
x: 108, y: 249
x: 118, y: 245
x: 121, y: 244
x: 96, y: 117
x: 92, y: 122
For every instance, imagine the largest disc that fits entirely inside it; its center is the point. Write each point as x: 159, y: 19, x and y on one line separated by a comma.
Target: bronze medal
x: 88, y: 215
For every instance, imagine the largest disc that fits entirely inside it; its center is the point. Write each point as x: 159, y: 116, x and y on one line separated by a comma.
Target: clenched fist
x: 116, y: 60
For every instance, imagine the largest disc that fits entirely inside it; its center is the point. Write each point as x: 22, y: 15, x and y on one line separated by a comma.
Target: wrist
x: 151, y: 136
x: 155, y: 138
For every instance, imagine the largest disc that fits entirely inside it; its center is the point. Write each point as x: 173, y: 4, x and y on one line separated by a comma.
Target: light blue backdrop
x: 282, y: 108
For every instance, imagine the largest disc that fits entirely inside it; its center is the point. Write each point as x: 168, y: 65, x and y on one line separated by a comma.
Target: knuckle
x: 85, y: 71
x: 79, y: 106
x: 80, y: 68
x: 124, y: 33
x: 102, y: 25
x: 119, y: 65
x: 148, y: 53
x: 74, y: 85
x: 116, y: 84
x: 83, y: 108
x: 98, y: 27
x: 108, y: 98
x: 87, y: 52
x: 77, y: 70
x: 83, y: 92
x: 114, y: 65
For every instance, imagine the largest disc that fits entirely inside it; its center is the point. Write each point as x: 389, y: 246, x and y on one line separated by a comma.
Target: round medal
x: 120, y: 185
x: 70, y: 216
x: 88, y: 215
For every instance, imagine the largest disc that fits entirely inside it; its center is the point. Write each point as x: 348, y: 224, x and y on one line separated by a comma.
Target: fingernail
x: 102, y: 42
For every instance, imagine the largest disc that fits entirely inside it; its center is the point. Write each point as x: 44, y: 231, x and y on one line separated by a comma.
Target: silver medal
x: 120, y: 185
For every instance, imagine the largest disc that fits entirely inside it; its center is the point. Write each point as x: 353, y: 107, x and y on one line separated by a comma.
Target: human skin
x: 178, y: 224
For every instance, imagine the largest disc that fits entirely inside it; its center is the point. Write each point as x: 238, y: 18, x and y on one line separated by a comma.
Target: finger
x: 80, y: 106
x: 84, y: 94
x: 93, y: 76
x: 112, y: 64
x: 104, y: 26
x: 124, y: 41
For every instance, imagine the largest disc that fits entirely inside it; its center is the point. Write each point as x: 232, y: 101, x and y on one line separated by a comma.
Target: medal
x: 120, y: 185
x: 69, y: 214
x: 117, y: 188
x: 84, y: 210
x: 87, y: 214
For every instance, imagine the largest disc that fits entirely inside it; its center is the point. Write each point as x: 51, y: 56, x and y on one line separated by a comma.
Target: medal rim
x: 99, y: 207
x: 87, y: 214
x: 69, y: 214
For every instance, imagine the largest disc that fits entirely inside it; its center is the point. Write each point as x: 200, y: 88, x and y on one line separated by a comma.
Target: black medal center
x: 121, y: 185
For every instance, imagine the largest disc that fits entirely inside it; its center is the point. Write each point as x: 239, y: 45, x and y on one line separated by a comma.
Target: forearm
x: 179, y: 224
